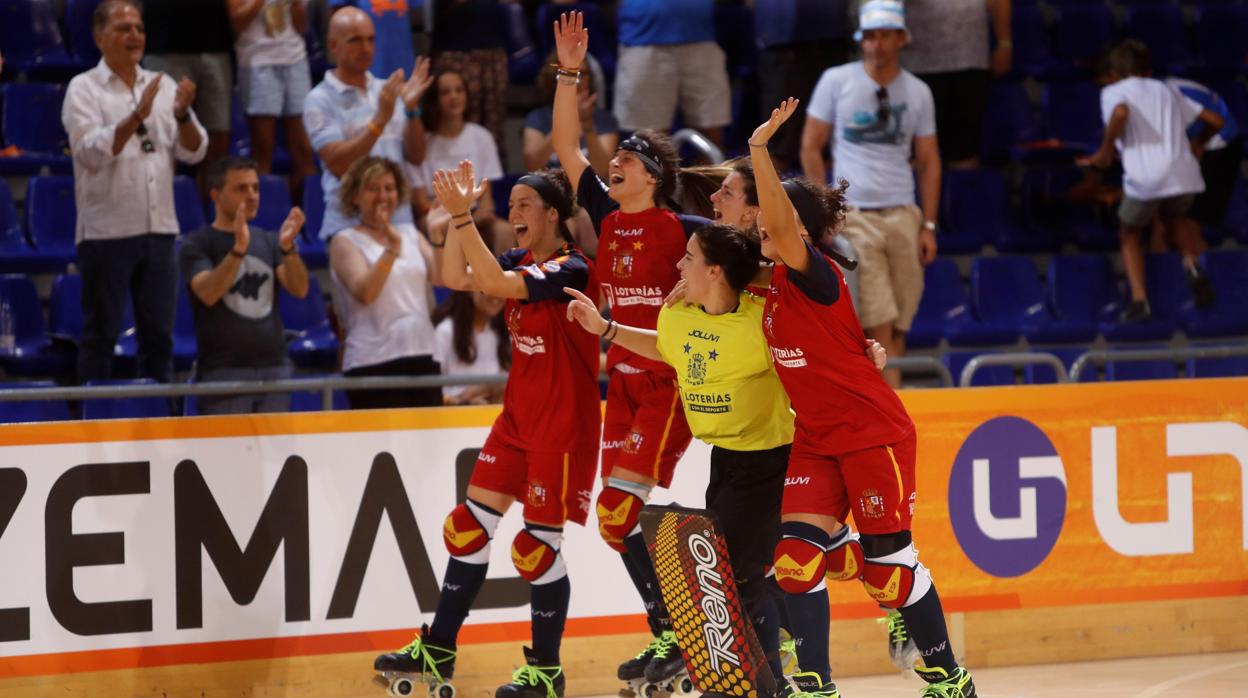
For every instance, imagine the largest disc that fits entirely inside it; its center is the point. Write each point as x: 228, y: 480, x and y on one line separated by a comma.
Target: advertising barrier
x: 150, y: 542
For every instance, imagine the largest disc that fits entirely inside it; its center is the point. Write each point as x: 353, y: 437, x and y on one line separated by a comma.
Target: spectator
x: 1219, y: 161
x: 949, y: 51
x: 668, y: 56
x: 882, y: 113
x: 393, y: 23
x: 192, y: 40
x: 274, y: 80
x: 600, y: 132
x: 451, y: 139
x: 471, y: 338
x: 230, y: 270
x: 352, y: 113
x: 1146, y: 121
x: 798, y: 40
x: 126, y: 128
x: 383, y: 272
x: 468, y: 40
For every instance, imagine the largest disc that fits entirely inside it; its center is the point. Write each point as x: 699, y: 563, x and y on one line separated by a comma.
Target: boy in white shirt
x: 1146, y: 122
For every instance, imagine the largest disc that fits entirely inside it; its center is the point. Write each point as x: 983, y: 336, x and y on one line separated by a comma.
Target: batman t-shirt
x: 244, y: 328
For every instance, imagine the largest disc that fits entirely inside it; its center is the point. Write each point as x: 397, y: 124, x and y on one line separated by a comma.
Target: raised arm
x: 639, y: 341
x: 469, y: 262
x: 571, y: 45
x: 778, y: 217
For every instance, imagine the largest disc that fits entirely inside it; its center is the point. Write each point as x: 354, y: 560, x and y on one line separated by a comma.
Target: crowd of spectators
x: 892, y: 94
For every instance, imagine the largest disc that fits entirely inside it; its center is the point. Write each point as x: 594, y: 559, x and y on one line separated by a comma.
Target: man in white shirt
x: 351, y: 113
x: 880, y: 113
x: 126, y: 128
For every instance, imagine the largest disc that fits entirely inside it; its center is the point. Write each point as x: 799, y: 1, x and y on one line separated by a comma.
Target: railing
x: 694, y: 139
x: 1101, y: 357
x: 1013, y: 360
x: 922, y: 364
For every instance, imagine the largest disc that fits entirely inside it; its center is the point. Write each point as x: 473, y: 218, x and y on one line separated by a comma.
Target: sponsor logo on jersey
x: 637, y: 295
x: 696, y: 371
x: 871, y: 504
x: 623, y: 266
x: 631, y: 232
x: 488, y: 458
x: 537, y: 494
x: 708, y: 403
x: 632, y: 443
x: 788, y: 358
x: 796, y: 481
x: 704, y: 335
x: 528, y: 345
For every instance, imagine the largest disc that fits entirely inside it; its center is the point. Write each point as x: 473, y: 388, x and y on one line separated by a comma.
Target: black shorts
x: 793, y: 70
x: 1220, y: 168
x: 960, y: 99
x: 745, y: 491
x: 422, y: 365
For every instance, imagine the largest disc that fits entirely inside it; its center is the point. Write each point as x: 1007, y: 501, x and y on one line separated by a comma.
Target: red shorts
x: 877, y: 483
x: 644, y: 430
x: 554, y: 487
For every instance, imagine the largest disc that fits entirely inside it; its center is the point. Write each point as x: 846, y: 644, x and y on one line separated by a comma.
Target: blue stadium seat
x: 33, y: 353
x: 1222, y: 36
x: 1038, y: 374
x: 125, y: 407
x: 1081, y: 32
x: 13, y: 412
x: 500, y: 189
x: 310, y: 401
x: 311, y: 247
x: 1006, y: 294
x: 1008, y: 122
x: 185, y: 346
x: 312, y: 341
x: 32, y: 122
x: 78, y: 27
x: 51, y: 215
x: 15, y: 251
x: 1228, y: 367
x: 1228, y: 316
x: 523, y: 63
x: 1072, y: 114
x: 1081, y: 290
x: 187, y: 205
x: 962, y: 228
x: 1002, y: 224
x: 1048, y: 206
x: 955, y: 361
x: 1168, y: 293
x: 65, y: 308
x: 1159, y: 369
x: 1236, y: 220
x: 1033, y: 53
x: 942, y: 294
x: 603, y: 47
x: 31, y: 41
x: 274, y: 202
x: 1162, y: 28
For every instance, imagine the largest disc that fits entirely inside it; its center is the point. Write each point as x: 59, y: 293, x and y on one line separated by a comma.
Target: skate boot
x: 536, y: 679
x: 666, y: 670
x: 420, y: 662
x: 901, y: 648
x: 788, y: 653
x: 941, y: 684
x: 633, y: 672
x: 807, y: 684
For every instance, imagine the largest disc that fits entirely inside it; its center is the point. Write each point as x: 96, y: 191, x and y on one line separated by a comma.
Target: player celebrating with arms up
x: 854, y: 445
x: 639, y: 244
x: 542, y: 448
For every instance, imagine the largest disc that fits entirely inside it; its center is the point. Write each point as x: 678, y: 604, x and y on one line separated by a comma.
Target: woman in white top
x: 383, y: 277
x: 450, y: 139
x: 471, y: 339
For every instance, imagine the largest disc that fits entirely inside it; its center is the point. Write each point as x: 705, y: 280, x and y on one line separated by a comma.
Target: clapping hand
x: 144, y: 107
x: 242, y: 234
x: 184, y: 98
x: 390, y: 91
x: 417, y: 84
x: 290, y: 228
x: 457, y: 189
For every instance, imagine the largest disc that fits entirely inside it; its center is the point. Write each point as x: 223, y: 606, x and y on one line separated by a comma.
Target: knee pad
x: 618, y: 513
x: 535, y: 554
x: 799, y: 566
x: 468, y: 530
x: 896, y: 580
x: 845, y: 557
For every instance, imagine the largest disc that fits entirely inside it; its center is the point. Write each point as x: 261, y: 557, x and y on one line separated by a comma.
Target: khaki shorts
x: 890, y: 278
x: 650, y: 81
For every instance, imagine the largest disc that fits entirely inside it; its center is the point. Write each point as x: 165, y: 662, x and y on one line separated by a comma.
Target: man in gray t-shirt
x: 876, y: 114
x: 232, y: 271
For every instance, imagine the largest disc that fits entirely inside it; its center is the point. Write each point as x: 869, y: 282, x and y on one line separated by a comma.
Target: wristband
x: 236, y: 253
x: 465, y: 224
x: 460, y: 215
x: 389, y: 250
x: 610, y: 326
x: 756, y: 145
x: 287, y: 251
x: 373, y: 127
x: 413, y: 113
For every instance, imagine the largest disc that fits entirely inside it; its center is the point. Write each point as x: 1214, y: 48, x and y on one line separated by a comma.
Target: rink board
x: 135, y: 543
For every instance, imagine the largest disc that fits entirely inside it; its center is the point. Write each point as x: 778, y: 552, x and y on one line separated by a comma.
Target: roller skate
x: 666, y: 673
x: 419, y: 663
x: 633, y: 672
x: 536, y: 679
x: 808, y: 684
x: 942, y: 684
x: 901, y: 648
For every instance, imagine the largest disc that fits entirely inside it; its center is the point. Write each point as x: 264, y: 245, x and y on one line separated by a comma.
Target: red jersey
x: 637, y: 256
x: 819, y: 349
x: 551, y: 402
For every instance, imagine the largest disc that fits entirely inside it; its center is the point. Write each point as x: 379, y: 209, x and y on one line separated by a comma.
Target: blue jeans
x: 143, y: 267
x: 245, y: 404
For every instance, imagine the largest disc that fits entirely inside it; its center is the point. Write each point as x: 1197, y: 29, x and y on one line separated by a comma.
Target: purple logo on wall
x: 1007, y: 496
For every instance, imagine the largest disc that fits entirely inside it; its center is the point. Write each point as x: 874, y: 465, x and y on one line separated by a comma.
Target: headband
x: 644, y: 152
x: 549, y: 193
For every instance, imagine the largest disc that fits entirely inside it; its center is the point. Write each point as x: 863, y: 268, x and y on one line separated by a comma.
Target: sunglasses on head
x: 884, y: 110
